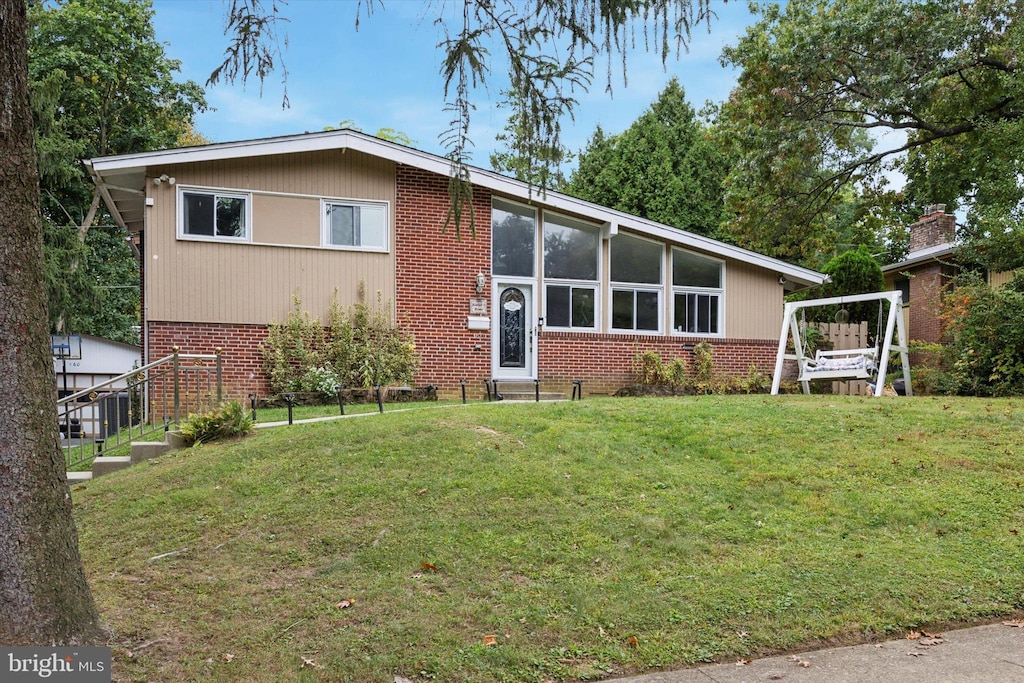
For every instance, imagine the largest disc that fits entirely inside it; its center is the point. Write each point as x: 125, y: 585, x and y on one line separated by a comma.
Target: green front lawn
x: 584, y: 539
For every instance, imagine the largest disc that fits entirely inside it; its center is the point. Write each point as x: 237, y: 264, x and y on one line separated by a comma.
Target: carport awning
x: 124, y: 193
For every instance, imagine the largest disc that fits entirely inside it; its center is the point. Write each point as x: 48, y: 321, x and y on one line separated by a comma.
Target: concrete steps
x: 526, y: 391
x: 140, y: 451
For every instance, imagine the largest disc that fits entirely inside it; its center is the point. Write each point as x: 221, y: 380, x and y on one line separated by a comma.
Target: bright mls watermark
x: 70, y: 664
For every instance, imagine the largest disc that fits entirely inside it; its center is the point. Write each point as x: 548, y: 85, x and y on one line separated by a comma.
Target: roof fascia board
x: 921, y: 256
x: 517, y: 189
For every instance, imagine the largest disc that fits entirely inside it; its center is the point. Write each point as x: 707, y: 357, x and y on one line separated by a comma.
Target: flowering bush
x: 985, y: 356
x: 359, y: 347
x: 320, y: 380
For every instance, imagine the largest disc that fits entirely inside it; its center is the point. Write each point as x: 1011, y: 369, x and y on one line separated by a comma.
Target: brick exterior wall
x: 435, y: 279
x: 242, y: 369
x: 605, y: 361
x: 926, y: 288
x: 932, y: 230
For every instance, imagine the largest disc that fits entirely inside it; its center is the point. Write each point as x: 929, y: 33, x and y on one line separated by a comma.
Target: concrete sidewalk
x: 984, y: 654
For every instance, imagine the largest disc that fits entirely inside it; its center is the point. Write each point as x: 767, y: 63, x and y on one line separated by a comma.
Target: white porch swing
x: 860, y: 363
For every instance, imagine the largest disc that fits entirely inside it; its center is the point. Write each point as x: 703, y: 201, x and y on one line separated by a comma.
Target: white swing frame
x: 791, y: 328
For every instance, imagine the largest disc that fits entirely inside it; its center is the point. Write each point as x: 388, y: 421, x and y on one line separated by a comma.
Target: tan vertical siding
x: 753, y: 302
x: 204, y: 281
x: 999, y: 279
x: 278, y: 219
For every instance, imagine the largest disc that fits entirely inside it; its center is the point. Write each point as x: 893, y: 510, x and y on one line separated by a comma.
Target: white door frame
x: 529, y: 371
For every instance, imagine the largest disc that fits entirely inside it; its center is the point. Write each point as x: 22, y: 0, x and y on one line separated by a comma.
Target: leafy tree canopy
x: 823, y: 80
x: 101, y: 84
x: 551, y: 48
x: 853, y: 272
x: 666, y: 167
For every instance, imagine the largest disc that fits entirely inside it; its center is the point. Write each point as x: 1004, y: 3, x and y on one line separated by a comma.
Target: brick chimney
x: 935, y: 227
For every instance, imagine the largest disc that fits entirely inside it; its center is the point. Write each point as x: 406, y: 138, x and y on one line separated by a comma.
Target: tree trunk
x: 44, y: 597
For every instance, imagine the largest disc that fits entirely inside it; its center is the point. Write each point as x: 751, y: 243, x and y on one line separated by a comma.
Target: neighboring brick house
x: 550, y: 287
x: 927, y: 271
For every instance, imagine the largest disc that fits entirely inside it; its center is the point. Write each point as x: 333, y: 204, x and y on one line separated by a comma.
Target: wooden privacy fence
x: 848, y: 336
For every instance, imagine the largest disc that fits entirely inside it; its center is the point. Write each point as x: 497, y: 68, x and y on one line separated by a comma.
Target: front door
x: 514, y: 332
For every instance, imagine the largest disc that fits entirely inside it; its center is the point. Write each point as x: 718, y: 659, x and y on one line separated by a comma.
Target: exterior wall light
x: 164, y: 179
x: 481, y: 280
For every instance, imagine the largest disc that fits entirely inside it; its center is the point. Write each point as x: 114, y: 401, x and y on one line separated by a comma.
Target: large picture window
x: 513, y: 236
x: 697, y: 293
x: 636, y: 275
x: 216, y: 215
x: 355, y: 225
x: 570, y: 273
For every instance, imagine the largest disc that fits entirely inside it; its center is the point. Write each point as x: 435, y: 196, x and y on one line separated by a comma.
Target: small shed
x: 83, y: 361
x: 100, y: 360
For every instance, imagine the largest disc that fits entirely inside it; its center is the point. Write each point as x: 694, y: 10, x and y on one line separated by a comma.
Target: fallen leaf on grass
x: 421, y: 492
x: 401, y: 679
x: 1014, y: 623
x: 490, y: 640
x: 345, y: 604
x: 228, y: 657
x: 428, y: 566
x: 632, y: 641
x: 310, y: 663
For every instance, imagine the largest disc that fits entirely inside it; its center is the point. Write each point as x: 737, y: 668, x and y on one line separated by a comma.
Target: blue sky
x: 386, y: 74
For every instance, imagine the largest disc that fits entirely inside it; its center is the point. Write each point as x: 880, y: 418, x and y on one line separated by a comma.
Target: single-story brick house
x: 550, y: 288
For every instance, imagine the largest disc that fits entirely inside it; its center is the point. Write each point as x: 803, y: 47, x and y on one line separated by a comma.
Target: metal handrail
x: 126, y: 407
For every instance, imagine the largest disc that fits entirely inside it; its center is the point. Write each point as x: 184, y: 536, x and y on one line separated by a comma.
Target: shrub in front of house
x: 985, y: 354
x: 229, y: 421
x: 359, y: 347
x: 653, y: 376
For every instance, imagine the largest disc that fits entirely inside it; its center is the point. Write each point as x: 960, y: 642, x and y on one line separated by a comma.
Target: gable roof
x: 121, y: 181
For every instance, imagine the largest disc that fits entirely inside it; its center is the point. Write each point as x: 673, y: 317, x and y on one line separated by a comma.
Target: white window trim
x: 686, y: 289
x: 217, y: 192
x: 652, y: 287
x: 325, y: 224
x: 664, y: 262
x: 595, y: 284
x: 635, y: 288
x: 538, y: 248
x: 697, y: 290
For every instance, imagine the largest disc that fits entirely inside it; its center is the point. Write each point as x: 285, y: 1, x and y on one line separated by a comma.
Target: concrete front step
x: 529, y: 395
x: 140, y: 452
x: 526, y: 391
x: 108, y: 464
x: 144, y: 450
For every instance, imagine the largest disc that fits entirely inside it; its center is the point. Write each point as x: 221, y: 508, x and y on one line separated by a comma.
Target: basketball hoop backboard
x: 66, y: 346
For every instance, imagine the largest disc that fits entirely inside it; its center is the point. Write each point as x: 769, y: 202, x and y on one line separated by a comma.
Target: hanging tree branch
x: 550, y: 47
